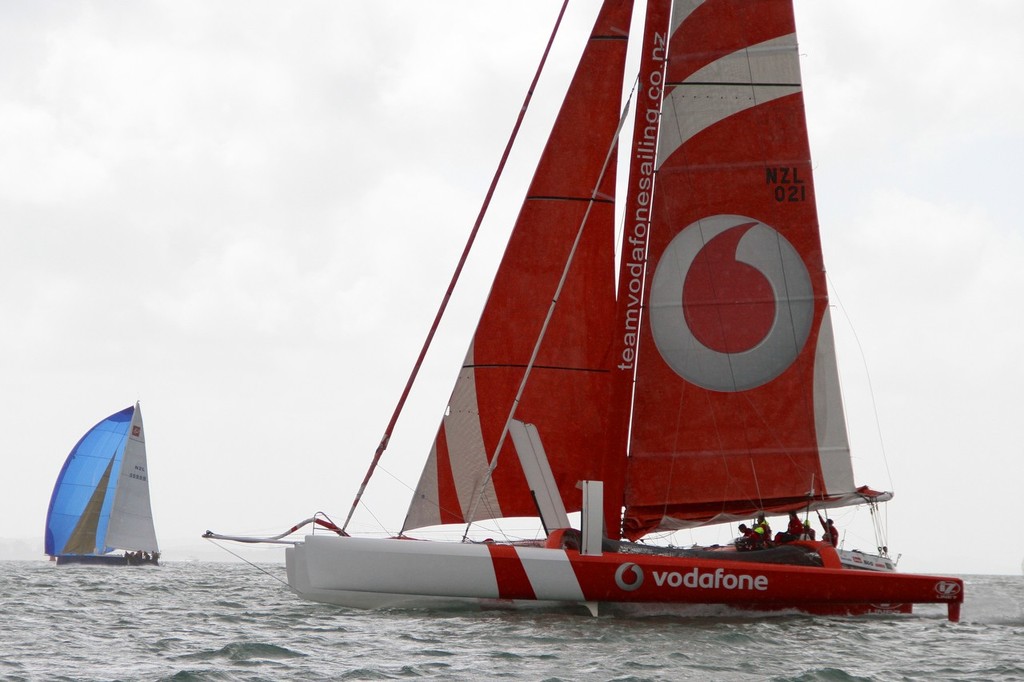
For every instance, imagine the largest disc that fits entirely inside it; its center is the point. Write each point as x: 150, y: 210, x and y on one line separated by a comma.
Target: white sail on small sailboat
x: 100, y: 509
x: 696, y: 386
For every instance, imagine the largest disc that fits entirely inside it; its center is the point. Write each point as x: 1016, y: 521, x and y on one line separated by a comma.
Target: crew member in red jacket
x: 831, y: 532
x: 796, y: 526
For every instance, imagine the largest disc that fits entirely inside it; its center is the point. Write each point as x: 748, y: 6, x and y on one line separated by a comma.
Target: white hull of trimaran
x: 402, y: 573
x: 399, y: 571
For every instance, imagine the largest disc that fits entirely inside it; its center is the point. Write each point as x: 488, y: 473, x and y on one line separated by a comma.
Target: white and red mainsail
x: 706, y: 388
x: 737, y: 406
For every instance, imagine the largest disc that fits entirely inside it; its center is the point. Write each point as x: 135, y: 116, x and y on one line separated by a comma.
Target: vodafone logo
x: 629, y: 577
x: 637, y: 577
x: 947, y: 589
x: 731, y: 303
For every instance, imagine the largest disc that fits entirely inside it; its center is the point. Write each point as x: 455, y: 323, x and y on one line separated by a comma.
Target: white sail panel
x: 131, y: 518
x: 770, y: 62
x: 829, y: 420
x: 727, y: 86
x: 681, y: 9
x: 462, y: 456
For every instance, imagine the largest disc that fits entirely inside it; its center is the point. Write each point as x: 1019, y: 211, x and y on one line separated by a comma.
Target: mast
x: 633, y: 254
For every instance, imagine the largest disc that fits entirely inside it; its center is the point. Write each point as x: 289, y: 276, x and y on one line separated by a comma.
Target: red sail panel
x: 568, y: 391
x: 737, y: 406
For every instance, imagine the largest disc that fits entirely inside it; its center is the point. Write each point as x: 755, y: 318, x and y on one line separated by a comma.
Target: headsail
x: 568, y: 386
x: 737, y: 404
x: 131, y: 520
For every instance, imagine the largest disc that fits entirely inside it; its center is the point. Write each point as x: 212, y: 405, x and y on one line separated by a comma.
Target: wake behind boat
x: 100, y: 508
x: 700, y: 389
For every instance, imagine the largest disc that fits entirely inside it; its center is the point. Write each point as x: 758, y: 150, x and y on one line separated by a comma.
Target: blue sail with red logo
x: 737, y: 404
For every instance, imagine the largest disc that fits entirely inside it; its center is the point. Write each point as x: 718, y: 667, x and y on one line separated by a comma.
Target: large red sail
x: 567, y: 393
x: 737, y: 407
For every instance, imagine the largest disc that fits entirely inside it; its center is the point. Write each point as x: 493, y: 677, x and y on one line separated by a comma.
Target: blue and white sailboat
x: 100, y: 509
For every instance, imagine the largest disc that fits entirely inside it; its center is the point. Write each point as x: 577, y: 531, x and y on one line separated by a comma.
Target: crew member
x: 762, y: 523
x: 831, y: 533
x: 793, y: 531
x: 808, y: 533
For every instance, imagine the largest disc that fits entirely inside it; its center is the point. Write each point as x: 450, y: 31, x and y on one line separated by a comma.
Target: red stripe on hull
x: 513, y: 583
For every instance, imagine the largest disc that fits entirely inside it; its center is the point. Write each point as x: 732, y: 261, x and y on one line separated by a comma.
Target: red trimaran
x: 700, y: 389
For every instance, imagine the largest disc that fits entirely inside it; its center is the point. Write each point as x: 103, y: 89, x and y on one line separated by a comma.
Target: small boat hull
x: 103, y: 560
x: 400, y: 573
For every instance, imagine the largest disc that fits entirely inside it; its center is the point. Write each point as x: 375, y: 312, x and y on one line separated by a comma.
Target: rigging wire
x: 408, y: 487
x: 867, y: 373
x: 880, y: 524
x: 256, y: 566
x: 458, y: 271
x: 620, y: 232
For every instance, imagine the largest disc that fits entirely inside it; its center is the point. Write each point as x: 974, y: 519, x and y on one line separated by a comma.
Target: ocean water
x: 233, y: 621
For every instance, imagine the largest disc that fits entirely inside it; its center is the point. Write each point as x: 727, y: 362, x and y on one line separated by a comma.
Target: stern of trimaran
x: 694, y: 384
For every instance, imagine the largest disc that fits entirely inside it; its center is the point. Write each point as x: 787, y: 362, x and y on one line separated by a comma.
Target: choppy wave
x: 220, y: 621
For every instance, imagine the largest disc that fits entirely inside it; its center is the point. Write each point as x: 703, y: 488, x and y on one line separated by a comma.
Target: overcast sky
x: 244, y: 214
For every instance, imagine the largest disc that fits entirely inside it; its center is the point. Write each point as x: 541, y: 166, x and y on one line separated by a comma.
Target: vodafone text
x: 719, y: 579
x: 639, y: 197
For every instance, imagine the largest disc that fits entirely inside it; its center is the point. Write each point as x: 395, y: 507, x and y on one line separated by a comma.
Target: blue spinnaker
x: 102, y: 447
